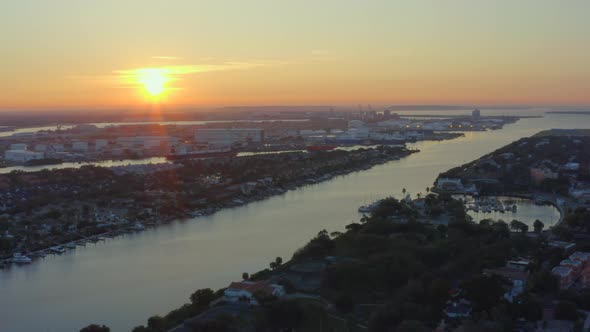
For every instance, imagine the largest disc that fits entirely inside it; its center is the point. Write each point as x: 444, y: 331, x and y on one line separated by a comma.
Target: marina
x: 512, y: 208
x: 27, y: 258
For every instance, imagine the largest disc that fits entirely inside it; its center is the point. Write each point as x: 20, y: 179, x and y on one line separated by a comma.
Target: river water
x: 123, y: 281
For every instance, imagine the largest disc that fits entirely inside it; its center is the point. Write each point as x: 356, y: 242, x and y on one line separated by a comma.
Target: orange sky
x: 72, y: 54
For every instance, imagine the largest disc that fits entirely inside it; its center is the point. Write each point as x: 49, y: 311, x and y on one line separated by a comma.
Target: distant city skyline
x: 111, y: 54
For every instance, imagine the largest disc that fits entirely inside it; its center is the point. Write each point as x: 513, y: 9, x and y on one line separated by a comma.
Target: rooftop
x: 252, y: 286
x: 580, y: 255
x: 561, y: 271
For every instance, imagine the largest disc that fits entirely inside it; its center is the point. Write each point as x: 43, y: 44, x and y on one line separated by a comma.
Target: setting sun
x: 153, y: 80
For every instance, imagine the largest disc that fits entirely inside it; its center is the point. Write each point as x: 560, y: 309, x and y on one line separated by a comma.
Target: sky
x: 113, y: 53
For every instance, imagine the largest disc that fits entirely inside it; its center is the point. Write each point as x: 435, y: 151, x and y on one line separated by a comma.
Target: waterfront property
x: 248, y: 292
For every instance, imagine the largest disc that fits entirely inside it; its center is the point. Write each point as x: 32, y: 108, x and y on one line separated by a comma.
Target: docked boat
x: 202, y: 154
x: 139, y: 227
x: 57, y: 250
x: 18, y: 258
x: 70, y: 245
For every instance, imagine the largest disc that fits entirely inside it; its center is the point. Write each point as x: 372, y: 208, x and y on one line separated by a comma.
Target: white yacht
x: 21, y: 259
x: 57, y: 250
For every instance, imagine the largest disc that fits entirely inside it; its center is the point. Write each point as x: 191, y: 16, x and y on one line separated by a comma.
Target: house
x: 585, y: 278
x: 449, y: 184
x: 458, y: 309
x: 244, y: 292
x: 583, y: 257
x: 516, y: 289
x: 520, y: 265
x: 539, y: 174
x: 565, y: 246
x: 565, y: 276
x: 575, y: 265
x: 515, y: 272
x: 508, y: 273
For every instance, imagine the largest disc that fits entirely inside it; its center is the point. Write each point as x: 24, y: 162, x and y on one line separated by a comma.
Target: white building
x: 354, y: 134
x: 147, y: 141
x: 100, y: 144
x: 309, y: 132
x: 57, y: 147
x: 22, y: 156
x: 356, y: 124
x: 243, y: 292
x: 41, y: 147
x: 18, y: 146
x: 80, y: 146
x: 399, y: 123
x: 226, y: 137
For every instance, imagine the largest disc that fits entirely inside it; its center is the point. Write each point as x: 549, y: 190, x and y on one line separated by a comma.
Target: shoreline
x: 234, y: 202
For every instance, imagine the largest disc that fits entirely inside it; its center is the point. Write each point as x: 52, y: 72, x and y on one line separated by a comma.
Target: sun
x: 153, y: 80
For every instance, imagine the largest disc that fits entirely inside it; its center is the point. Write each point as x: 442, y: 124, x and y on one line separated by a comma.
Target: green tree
x: 519, y: 226
x: 95, y: 328
x: 438, y: 291
x: 566, y: 310
x: 543, y: 281
x: 264, y: 298
x: 538, y: 226
x: 156, y: 323
x: 531, y: 309
x: 412, y: 326
x: 85, y: 210
x: 285, y: 315
x: 344, y: 303
x: 202, y: 297
x: 53, y: 214
x: 210, y: 326
x: 485, y: 292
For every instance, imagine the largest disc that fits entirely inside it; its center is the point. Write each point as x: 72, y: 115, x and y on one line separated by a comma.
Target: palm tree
x: 538, y: 226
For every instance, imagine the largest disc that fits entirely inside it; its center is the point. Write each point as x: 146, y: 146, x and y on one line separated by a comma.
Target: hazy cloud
x: 132, y: 77
x: 160, y: 57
